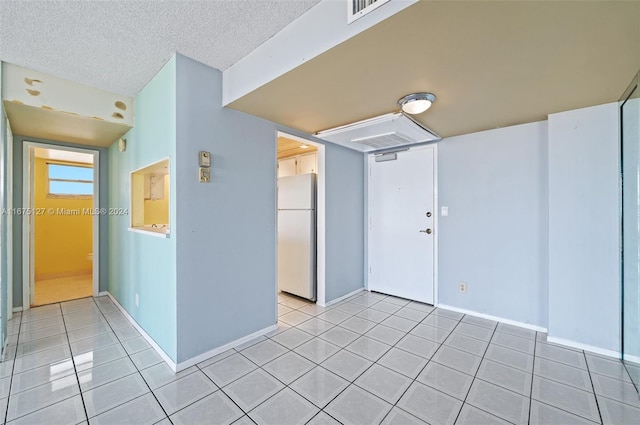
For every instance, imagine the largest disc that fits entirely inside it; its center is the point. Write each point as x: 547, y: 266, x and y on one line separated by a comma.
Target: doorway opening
x: 300, y: 225
x: 60, y: 231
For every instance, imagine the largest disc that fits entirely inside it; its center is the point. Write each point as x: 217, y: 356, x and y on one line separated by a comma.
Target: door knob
x: 428, y: 231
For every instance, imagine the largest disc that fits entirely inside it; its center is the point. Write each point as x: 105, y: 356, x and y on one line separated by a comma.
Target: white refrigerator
x: 297, y: 235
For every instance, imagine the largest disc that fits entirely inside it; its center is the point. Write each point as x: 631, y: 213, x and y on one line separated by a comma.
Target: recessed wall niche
x: 150, y: 198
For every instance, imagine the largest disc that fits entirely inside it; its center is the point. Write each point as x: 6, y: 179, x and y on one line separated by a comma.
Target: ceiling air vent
x: 358, y: 8
x: 383, y: 132
x: 383, y: 141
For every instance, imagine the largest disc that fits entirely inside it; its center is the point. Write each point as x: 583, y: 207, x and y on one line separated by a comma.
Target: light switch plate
x: 444, y: 211
x: 205, y: 175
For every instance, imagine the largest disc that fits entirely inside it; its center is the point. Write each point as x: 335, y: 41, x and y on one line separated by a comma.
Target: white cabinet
x: 287, y: 167
x: 308, y: 163
x: 299, y: 164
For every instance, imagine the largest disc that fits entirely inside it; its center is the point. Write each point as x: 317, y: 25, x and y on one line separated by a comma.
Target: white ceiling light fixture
x: 416, y: 103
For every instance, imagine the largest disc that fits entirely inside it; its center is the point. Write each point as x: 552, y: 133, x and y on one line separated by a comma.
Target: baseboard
x: 494, y: 318
x: 344, y: 297
x: 17, y: 309
x: 211, y: 353
x: 585, y: 347
x: 145, y: 335
x: 58, y: 275
x: 103, y: 293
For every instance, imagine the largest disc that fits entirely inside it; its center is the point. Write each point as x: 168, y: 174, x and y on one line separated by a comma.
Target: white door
x: 307, y: 163
x: 401, y: 225
x: 287, y: 167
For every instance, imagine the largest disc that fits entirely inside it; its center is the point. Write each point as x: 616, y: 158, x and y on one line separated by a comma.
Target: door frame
x: 436, y: 213
x: 320, y: 217
x: 28, y: 201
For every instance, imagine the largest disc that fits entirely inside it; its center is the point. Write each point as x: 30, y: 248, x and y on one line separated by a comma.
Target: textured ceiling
x: 491, y: 64
x: 118, y: 46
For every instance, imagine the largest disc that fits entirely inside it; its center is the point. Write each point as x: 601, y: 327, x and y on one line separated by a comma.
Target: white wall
x: 495, y: 236
x: 584, y: 262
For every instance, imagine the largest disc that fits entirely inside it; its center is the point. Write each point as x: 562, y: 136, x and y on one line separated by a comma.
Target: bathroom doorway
x: 60, y: 224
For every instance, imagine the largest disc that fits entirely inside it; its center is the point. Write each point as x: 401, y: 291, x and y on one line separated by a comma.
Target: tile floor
x: 371, y: 359
x: 48, y: 291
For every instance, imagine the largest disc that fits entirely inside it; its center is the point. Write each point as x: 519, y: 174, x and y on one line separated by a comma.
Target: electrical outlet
x: 137, y: 299
x: 462, y: 287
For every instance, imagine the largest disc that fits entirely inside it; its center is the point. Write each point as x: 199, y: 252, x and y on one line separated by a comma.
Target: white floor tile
x: 289, y: 367
x: 285, y: 408
x: 105, y: 373
x: 66, y: 412
x: 184, y: 391
x: 113, y: 394
x: 146, y: 358
x: 399, y: 417
x: 161, y: 374
x: 403, y: 362
x: 319, y: 386
x: 384, y: 383
x: 229, y: 369
x: 355, y: 406
x: 40, y: 376
x: 347, y: 365
x: 499, y: 402
x: 446, y: 380
x: 143, y: 410
x: 216, y: 406
x: 570, y: 399
x: 40, y: 397
x: 252, y: 389
x: 430, y: 405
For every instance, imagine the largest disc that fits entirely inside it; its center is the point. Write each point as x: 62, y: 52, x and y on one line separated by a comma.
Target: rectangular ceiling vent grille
x: 381, y: 132
x: 382, y: 141
x: 358, y: 8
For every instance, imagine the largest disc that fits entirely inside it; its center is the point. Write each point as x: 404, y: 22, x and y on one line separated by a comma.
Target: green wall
x: 140, y: 263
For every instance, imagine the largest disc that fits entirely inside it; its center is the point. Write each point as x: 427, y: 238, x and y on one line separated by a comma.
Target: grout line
x: 73, y: 362
x: 13, y: 369
x: 533, y: 374
x: 134, y: 365
x: 592, y: 386
x: 479, y: 365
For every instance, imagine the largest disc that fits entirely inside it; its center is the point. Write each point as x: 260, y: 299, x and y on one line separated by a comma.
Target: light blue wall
x: 141, y: 263
x: 227, y: 243
x: 345, y: 218
x: 584, y: 282
x: 495, y: 236
x: 103, y: 261
x: 226, y: 247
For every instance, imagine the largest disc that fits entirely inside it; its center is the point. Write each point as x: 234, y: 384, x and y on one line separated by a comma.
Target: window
x: 70, y: 180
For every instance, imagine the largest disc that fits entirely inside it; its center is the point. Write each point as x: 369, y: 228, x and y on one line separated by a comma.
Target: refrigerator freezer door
x: 296, y: 253
x: 297, y: 192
